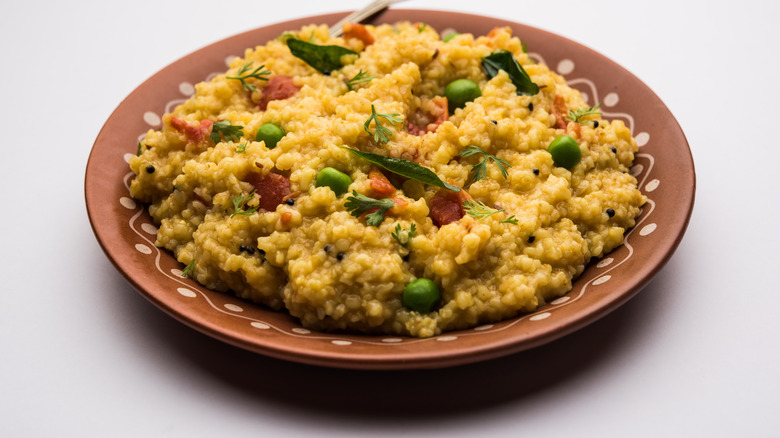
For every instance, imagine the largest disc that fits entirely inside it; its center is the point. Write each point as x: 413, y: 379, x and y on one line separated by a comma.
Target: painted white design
x: 229, y: 59
x: 143, y: 249
x: 127, y: 157
x: 446, y: 338
x: 340, y: 342
x: 151, y: 118
x: 605, y: 262
x: 540, y: 316
x: 483, y: 327
x: 611, y: 99
x: 652, y: 185
x: 637, y: 170
x: 177, y: 272
x: 260, y: 325
x: 561, y: 300
x: 301, y: 331
x: 566, y: 66
x: 186, y: 89
x: 128, y: 203
x: 642, y: 138
x: 186, y: 292
x: 149, y: 229
x: 391, y: 340
x: 647, y: 229
x: 234, y: 308
x: 602, y: 280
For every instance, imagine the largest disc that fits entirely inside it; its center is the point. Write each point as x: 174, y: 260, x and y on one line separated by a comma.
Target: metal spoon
x: 360, y: 15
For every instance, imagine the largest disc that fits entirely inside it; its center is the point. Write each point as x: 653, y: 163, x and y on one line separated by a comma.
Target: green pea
x: 270, y: 134
x: 460, y: 91
x: 565, y: 151
x: 337, y: 181
x: 421, y: 295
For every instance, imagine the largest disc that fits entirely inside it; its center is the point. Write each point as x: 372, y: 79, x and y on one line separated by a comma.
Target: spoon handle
x: 360, y: 15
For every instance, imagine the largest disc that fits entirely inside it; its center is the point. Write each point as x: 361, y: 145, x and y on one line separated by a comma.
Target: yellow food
x: 329, y: 268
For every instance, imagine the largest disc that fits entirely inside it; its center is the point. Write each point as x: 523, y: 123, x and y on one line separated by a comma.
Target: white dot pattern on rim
x: 647, y: 229
x: 484, y: 327
x: 602, y: 280
x: 143, y: 249
x: 637, y: 170
x: 652, y: 185
x: 149, y: 229
x: 605, y: 262
x: 566, y: 66
x: 234, y: 307
x: 127, y: 202
x: 177, y: 272
x: 340, y: 342
x: 186, y: 292
x: 260, y: 325
x: 230, y: 59
x: 301, y: 331
x: 446, y: 338
x: 127, y: 157
x: 642, y: 138
x: 611, y: 99
x: 540, y: 316
x: 186, y: 89
x: 560, y: 300
x: 151, y: 118
x: 392, y: 340
x: 585, y: 96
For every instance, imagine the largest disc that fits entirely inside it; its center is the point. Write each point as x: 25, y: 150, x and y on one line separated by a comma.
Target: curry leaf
x: 405, y: 168
x: 324, y: 59
x: 504, y: 60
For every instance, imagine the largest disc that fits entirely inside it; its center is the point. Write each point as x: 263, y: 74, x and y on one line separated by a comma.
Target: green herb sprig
x: 241, y: 149
x: 140, y: 150
x: 381, y: 134
x: 579, y: 115
x: 478, y: 210
x: 260, y: 73
x: 239, y: 205
x: 188, y: 270
x: 480, y: 170
x: 224, y: 130
x: 358, y: 204
x: 404, y: 236
x: 405, y: 168
x: 510, y: 220
x: 359, y: 78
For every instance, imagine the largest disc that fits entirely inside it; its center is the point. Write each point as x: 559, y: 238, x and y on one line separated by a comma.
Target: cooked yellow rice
x: 486, y: 269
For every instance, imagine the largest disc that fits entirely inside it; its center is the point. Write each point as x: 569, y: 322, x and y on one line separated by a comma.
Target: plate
x: 663, y: 167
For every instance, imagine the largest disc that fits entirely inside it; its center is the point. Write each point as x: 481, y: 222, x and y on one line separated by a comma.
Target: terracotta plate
x: 664, y: 168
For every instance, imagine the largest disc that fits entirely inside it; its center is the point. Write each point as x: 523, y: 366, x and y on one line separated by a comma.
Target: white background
x: 695, y: 354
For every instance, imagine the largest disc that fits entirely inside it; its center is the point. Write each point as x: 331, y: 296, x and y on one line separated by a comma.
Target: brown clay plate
x: 663, y: 167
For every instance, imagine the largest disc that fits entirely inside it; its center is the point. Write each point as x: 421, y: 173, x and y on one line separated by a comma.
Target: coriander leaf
x: 324, y: 59
x: 580, y: 114
x: 224, y: 130
x: 478, y: 210
x: 239, y: 205
x: 139, y: 150
x: 504, y: 60
x: 358, y: 204
x: 188, y: 270
x: 359, y: 78
x: 480, y: 170
x: 405, y: 168
x: 404, y: 236
x: 241, y: 149
x: 259, y: 73
x: 381, y: 135
x: 510, y: 220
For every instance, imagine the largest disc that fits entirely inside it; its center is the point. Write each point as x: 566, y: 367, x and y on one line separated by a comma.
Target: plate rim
x: 339, y: 359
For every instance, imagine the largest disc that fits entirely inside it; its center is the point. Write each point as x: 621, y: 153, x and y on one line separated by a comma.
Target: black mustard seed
x: 531, y: 239
x: 610, y: 212
x: 290, y: 201
x: 150, y: 169
x: 536, y: 171
x: 340, y: 256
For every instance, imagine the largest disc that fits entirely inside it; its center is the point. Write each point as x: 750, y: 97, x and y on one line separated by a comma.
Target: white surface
x: 695, y: 354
